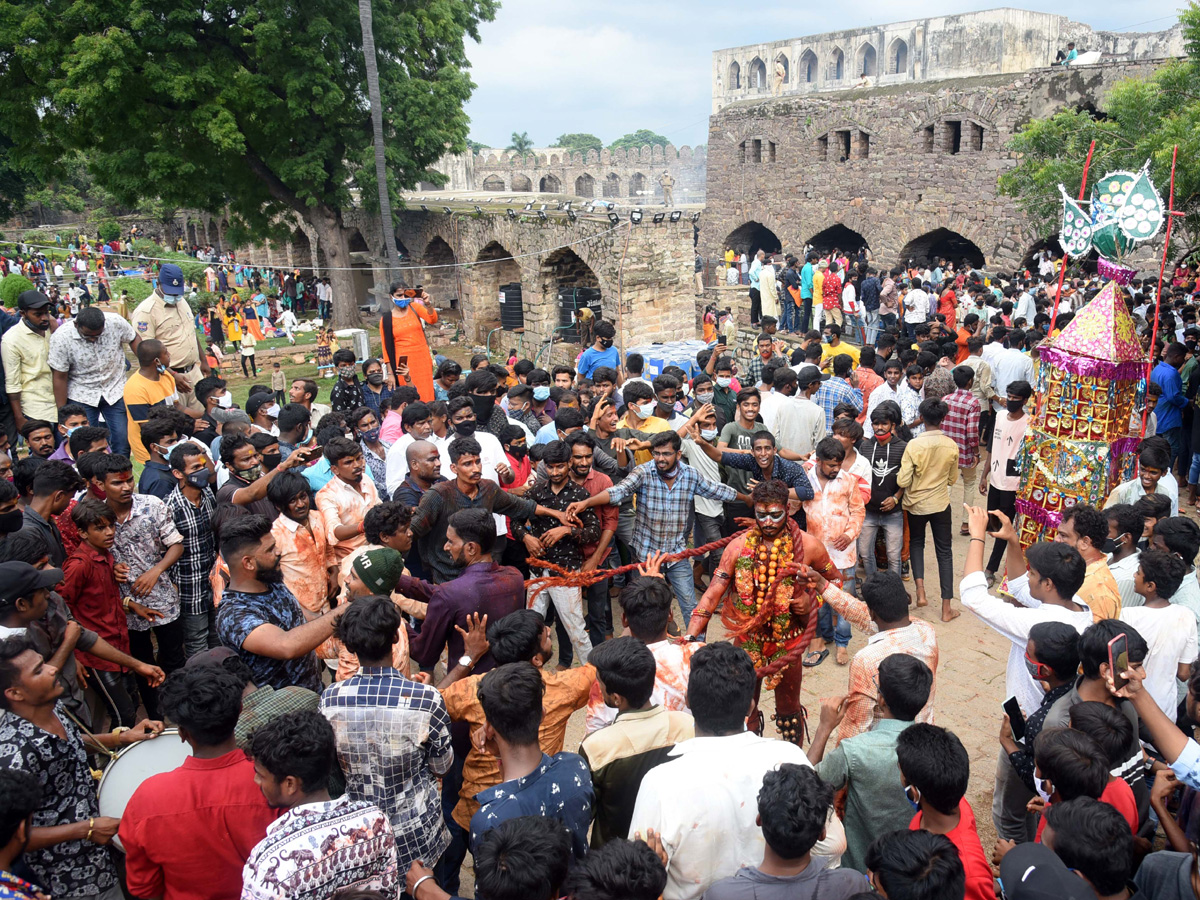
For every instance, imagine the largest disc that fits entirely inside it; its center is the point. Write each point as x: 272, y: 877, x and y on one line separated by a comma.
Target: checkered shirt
x: 833, y: 392
x: 664, y: 512
x: 393, y: 737
x: 191, y: 573
x: 962, y: 424
x: 755, y: 369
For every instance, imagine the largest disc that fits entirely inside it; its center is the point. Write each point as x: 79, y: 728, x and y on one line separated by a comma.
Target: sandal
x: 814, y: 658
x: 965, y: 530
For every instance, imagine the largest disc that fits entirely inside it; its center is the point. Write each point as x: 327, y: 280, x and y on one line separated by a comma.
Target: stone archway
x: 522, y: 184
x: 735, y: 76
x: 758, y: 74
x: 568, y: 283
x: 439, y: 273
x: 752, y: 237
x: 1029, y: 260
x: 550, y: 185
x: 493, y: 183
x: 782, y: 59
x: 300, y: 250
x: 585, y: 186
x: 838, y: 237
x: 898, y: 57
x: 494, y: 266
x: 363, y: 276
x: 612, y: 185
x: 807, y: 69
x: 637, y: 184
x: 402, y: 252
x: 941, y: 243
x: 866, y: 63
x: 837, y: 65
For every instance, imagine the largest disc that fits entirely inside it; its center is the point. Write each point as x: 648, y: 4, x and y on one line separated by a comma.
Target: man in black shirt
x: 546, y: 538
x: 883, y: 450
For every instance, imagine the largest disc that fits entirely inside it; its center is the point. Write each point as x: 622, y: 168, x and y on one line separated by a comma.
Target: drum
x: 133, y: 765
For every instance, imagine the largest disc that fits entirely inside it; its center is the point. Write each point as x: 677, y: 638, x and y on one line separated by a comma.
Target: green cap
x: 379, y: 569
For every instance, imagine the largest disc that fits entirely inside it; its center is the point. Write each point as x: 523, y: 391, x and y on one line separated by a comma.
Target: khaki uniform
x: 668, y: 186
x: 176, y: 328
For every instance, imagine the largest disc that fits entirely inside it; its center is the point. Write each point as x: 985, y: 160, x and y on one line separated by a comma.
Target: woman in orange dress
x: 948, y: 307
x: 403, y: 335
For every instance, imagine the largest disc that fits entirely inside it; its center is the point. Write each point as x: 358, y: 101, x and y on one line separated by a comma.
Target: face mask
x: 465, y: 429
x: 371, y: 436
x: 646, y: 410
x: 251, y: 474
x: 375, y: 378
x: 541, y: 393
x: 401, y: 302
x: 38, y: 328
x: 166, y: 451
x: 346, y: 372
x: 518, y: 452
x: 1014, y: 406
x: 724, y: 382
x: 171, y: 299
x: 199, y: 478
x: 606, y: 343
x: 1041, y: 791
x: 706, y: 397
x: 517, y: 413
x: 483, y: 406
x: 916, y: 804
x: 271, y: 460
x: 883, y: 438
x: 708, y: 433
x: 12, y: 522
x: 161, y: 368
x: 225, y: 401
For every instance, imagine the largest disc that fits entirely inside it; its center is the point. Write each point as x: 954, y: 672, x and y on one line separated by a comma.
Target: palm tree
x: 385, y: 201
x: 521, y: 142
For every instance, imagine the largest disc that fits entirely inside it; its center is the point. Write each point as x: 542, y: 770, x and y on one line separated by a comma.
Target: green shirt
x: 875, y: 802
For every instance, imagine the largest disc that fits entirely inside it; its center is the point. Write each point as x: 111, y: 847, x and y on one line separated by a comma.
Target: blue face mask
x: 915, y: 804
x: 541, y: 393
x: 402, y: 302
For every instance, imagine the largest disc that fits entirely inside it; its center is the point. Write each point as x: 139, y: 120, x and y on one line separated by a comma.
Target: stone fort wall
x: 610, y: 174
x: 910, y: 170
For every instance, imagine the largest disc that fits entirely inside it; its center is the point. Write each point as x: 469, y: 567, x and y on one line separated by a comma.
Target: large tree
x: 257, y: 106
x: 638, y: 139
x: 582, y: 142
x: 1142, y: 119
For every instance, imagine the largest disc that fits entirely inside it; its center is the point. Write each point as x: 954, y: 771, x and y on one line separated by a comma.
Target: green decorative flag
x: 1141, y: 215
x: 1109, y: 241
x: 1076, y: 234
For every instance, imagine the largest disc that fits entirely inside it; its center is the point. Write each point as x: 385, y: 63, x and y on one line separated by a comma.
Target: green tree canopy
x: 638, y: 139
x: 522, y: 142
x: 238, y: 105
x: 475, y: 146
x: 1143, y: 119
x: 582, y: 142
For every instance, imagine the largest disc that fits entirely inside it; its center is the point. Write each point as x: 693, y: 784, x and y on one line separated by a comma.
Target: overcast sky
x: 609, y: 67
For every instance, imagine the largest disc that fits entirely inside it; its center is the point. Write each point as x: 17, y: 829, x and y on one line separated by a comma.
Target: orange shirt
x: 306, y: 558
x: 566, y: 691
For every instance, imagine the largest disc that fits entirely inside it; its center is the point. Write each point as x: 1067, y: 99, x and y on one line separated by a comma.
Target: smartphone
x: 993, y: 523
x: 1118, y: 660
x: 401, y: 361
x: 1016, y: 718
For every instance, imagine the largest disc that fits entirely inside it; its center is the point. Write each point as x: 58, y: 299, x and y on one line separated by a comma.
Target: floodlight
x: 446, y: 210
x: 567, y: 205
x: 658, y: 217
x: 542, y: 214
x: 635, y: 216
x: 614, y: 219
x: 695, y: 217
x: 512, y: 213
x: 675, y: 214
x: 529, y: 206
x: 571, y: 215
x: 424, y: 207
x: 479, y: 210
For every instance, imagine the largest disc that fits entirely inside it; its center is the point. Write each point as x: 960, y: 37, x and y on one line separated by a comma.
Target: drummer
x: 187, y: 833
x: 72, y: 863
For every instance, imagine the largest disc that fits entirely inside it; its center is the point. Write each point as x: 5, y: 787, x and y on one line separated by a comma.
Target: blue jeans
x: 893, y: 538
x: 114, y: 420
x: 1194, y: 469
x: 887, y: 321
x: 852, y: 328
x: 826, y: 616
x: 1174, y: 437
x: 679, y: 576
x: 805, y: 314
x: 871, y: 321
x: 787, y: 312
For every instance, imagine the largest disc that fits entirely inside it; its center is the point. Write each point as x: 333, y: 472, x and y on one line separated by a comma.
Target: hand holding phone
x: 1118, y: 660
x: 1016, y: 718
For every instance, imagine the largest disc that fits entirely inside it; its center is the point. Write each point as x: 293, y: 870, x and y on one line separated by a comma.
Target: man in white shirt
x: 1125, y: 525
x: 1026, y: 308
x: 1049, y: 593
x: 702, y: 801
x: 769, y: 401
x: 799, y: 422
x: 1010, y: 365
x: 916, y: 308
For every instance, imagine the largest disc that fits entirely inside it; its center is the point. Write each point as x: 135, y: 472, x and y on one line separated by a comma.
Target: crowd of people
x: 371, y: 612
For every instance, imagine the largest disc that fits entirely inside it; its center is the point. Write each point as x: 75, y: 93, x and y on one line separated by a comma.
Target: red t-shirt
x: 188, y: 833
x: 1118, y: 795
x: 965, y: 836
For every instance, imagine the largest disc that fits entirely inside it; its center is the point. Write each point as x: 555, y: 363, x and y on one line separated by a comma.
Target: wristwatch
x: 466, y: 662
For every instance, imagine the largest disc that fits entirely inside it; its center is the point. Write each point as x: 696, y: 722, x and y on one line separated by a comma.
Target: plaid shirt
x: 962, y: 424
x: 664, y: 512
x: 833, y: 392
x: 393, y: 737
x: 191, y: 573
x: 917, y: 639
x: 755, y: 369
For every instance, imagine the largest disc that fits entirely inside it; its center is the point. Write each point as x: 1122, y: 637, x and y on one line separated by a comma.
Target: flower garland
x: 755, y: 585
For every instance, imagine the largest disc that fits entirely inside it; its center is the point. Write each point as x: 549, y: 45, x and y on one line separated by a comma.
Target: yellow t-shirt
x: 828, y: 353
x: 142, y: 395
x: 652, y: 425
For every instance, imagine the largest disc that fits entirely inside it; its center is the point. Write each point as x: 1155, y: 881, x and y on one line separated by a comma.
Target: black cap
x: 1033, y: 872
x: 20, y: 579
x: 32, y: 300
x: 810, y: 375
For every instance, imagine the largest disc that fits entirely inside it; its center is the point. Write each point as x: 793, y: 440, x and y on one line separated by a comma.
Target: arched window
x: 898, y: 58
x: 837, y: 65
x: 865, y: 61
x: 758, y: 74
x: 735, y: 76
x: 782, y: 60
